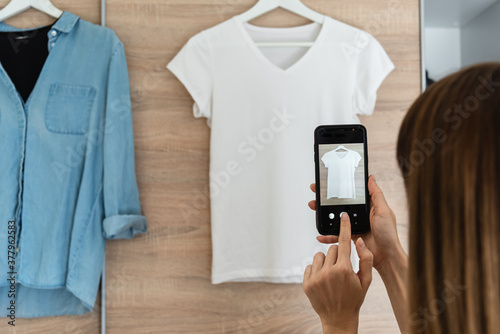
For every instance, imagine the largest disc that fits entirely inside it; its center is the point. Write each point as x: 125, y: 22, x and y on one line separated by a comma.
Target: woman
x: 450, y: 160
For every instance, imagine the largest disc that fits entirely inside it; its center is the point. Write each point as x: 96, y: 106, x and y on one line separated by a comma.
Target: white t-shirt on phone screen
x: 341, y: 171
x: 263, y: 105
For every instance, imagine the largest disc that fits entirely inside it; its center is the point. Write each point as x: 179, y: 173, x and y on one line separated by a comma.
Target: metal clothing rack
x: 103, y: 277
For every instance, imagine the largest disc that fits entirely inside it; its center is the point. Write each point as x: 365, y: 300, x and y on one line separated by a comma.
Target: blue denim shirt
x: 67, y: 175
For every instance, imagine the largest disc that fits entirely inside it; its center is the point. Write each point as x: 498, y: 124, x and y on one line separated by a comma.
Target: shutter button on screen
x: 331, y: 215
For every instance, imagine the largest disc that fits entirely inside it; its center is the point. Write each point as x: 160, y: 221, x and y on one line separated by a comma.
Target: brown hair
x: 449, y: 154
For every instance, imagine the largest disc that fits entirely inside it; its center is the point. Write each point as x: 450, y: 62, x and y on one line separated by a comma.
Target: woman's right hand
x: 382, y: 240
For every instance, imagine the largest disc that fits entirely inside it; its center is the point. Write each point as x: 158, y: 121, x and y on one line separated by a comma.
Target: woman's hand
x: 382, y: 240
x: 335, y: 291
x: 389, y: 257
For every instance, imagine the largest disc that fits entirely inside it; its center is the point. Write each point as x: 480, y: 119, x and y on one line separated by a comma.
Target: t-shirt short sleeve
x: 373, y: 65
x: 193, y: 67
x: 324, y: 158
x: 357, y: 159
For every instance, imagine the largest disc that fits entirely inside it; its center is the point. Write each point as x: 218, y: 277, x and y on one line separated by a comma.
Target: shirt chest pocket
x: 68, y: 108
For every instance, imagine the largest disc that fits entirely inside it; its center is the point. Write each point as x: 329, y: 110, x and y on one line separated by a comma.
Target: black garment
x: 428, y: 80
x: 22, y: 55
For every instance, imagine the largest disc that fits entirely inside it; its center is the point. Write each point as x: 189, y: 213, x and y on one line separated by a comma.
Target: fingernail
x: 361, y: 242
x: 344, y: 215
x: 374, y: 180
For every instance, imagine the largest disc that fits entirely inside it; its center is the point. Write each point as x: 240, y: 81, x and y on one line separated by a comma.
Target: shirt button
x: 53, y: 33
x: 52, y: 45
x: 17, y: 249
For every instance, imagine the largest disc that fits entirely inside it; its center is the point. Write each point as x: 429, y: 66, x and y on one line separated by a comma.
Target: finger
x: 312, y: 205
x: 332, y: 239
x: 365, y: 263
x: 376, y: 195
x: 313, y: 187
x: 318, y: 261
x: 328, y: 239
x: 345, y: 238
x: 331, y: 255
x: 307, y: 272
x: 371, y: 200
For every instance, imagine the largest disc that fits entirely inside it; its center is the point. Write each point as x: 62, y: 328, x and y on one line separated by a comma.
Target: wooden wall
x: 160, y: 282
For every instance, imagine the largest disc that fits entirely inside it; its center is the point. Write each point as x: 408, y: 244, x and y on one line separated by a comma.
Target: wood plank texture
x: 160, y: 282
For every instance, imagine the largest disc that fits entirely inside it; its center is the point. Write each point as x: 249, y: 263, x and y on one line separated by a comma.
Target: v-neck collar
x: 345, y: 154
x: 258, y: 53
x: 64, y: 24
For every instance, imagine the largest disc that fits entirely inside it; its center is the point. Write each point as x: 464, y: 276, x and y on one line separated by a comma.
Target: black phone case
x: 365, y: 226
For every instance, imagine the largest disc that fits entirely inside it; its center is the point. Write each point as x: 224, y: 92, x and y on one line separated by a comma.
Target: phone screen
x: 341, y: 177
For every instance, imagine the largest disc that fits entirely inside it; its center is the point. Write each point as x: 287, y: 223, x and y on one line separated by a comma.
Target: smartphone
x: 341, y: 159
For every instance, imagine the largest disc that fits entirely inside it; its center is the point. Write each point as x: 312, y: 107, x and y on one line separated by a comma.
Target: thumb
x: 365, y: 263
x: 376, y: 194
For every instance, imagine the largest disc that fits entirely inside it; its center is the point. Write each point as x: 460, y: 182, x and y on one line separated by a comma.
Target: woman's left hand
x: 335, y: 291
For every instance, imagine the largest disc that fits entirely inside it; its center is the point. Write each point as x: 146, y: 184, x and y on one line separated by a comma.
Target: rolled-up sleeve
x: 123, y: 218
x: 124, y: 226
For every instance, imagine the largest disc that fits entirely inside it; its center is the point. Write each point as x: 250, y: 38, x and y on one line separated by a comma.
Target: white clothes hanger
x: 294, y: 6
x: 17, y: 6
x: 341, y: 147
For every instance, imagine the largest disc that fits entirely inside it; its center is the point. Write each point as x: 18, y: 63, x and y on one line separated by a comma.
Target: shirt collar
x: 64, y: 23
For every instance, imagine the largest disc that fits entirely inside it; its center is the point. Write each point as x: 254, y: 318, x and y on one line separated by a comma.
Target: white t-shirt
x: 263, y: 106
x: 341, y: 168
